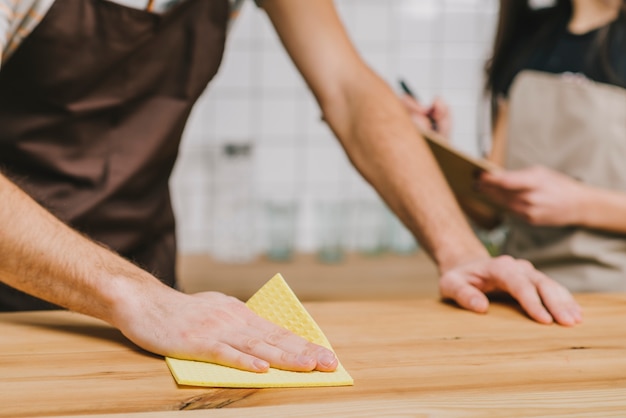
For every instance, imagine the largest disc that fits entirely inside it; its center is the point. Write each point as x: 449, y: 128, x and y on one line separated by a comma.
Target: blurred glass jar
x: 280, y: 225
x: 330, y: 227
x: 233, y: 204
x: 369, y: 232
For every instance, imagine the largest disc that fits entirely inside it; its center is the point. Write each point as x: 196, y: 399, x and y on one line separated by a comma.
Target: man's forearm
x: 383, y: 144
x: 374, y: 128
x: 45, y: 258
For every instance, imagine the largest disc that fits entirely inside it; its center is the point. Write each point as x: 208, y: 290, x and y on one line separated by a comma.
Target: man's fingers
x: 276, y: 357
x: 560, y: 302
x: 519, y: 278
x: 464, y: 294
x: 526, y: 294
x: 239, y: 338
x: 254, y: 350
x: 286, y: 350
x: 543, y: 299
x: 227, y: 355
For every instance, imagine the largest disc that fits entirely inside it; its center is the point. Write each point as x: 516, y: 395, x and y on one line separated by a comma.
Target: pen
x: 405, y: 88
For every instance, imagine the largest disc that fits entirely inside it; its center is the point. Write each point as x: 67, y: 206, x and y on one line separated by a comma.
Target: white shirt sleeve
x: 6, y: 15
x: 17, y: 19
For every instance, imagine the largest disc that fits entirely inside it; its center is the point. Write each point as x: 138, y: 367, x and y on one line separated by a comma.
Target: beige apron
x: 577, y: 127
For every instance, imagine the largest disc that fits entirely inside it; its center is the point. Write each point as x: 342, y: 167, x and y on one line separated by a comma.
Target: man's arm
x: 385, y: 147
x: 41, y: 256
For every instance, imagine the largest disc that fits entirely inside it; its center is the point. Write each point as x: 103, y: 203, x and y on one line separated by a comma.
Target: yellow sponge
x: 276, y: 302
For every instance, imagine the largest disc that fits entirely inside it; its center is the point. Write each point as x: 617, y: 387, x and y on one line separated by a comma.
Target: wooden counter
x: 407, y: 357
x: 357, y: 277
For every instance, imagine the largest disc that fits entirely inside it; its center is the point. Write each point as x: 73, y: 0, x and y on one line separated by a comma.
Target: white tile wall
x: 258, y: 97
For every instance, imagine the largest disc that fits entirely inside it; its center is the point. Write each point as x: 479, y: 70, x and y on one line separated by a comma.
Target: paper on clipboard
x: 460, y: 170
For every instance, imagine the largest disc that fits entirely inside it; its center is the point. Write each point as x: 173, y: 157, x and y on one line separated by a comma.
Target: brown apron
x: 578, y: 128
x: 92, y: 108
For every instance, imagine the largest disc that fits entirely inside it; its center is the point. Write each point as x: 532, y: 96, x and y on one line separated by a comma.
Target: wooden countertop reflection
x: 408, y: 357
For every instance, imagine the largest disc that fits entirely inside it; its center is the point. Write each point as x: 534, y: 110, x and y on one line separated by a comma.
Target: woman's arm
x: 543, y: 196
x: 602, y: 209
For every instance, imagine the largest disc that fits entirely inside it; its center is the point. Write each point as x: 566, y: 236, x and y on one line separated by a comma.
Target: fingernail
x: 575, y: 317
x: 578, y: 314
x: 476, y: 304
x: 546, y: 318
x: 261, y: 365
x: 327, y: 360
x: 566, y: 319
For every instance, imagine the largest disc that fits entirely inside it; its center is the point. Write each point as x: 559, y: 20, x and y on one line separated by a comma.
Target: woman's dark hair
x: 521, y: 29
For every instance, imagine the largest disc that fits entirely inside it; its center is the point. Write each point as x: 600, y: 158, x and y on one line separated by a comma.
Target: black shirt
x: 579, y: 53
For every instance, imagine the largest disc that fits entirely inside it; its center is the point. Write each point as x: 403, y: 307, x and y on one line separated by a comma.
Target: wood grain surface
x: 407, y: 357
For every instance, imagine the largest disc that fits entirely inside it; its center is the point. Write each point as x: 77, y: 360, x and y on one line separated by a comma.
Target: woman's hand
x: 538, y: 195
x: 437, y: 117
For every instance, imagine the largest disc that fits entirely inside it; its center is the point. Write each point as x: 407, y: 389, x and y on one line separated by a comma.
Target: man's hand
x: 213, y: 327
x: 538, y: 195
x: 543, y: 299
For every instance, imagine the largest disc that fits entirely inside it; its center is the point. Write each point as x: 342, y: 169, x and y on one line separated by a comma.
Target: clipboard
x: 460, y: 171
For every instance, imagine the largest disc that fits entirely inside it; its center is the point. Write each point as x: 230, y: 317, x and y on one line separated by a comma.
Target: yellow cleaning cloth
x: 276, y: 302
